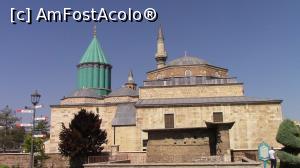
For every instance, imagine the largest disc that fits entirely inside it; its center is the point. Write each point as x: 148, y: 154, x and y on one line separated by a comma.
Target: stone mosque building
x: 186, y: 108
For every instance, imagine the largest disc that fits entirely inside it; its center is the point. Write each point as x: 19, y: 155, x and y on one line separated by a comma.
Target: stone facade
x: 188, y: 88
x: 191, y: 91
x: 185, y: 145
x: 66, y: 114
x: 263, y: 117
x: 187, y: 70
x: 130, y: 136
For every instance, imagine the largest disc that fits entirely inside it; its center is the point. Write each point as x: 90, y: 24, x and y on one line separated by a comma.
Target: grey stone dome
x: 187, y: 60
x: 85, y: 92
x: 124, y: 91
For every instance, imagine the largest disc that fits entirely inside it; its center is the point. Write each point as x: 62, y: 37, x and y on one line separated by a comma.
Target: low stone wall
x: 179, y: 165
x: 15, y: 159
x: 136, y: 157
x: 21, y: 160
x: 237, y: 155
x: 56, y: 160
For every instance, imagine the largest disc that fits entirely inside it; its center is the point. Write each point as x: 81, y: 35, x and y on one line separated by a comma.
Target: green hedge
x: 3, y: 166
x: 289, y: 135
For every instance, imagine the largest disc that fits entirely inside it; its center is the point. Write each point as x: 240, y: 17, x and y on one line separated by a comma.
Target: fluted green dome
x: 94, y: 53
x: 94, y: 71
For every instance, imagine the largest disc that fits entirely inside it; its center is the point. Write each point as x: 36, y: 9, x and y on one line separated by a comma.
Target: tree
x: 83, y: 138
x: 43, y: 128
x: 289, y: 136
x: 17, y: 136
x: 38, y: 149
x: 10, y: 136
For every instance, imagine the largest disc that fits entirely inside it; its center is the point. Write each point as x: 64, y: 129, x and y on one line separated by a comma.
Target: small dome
x: 187, y: 60
x: 84, y: 92
x: 124, y: 91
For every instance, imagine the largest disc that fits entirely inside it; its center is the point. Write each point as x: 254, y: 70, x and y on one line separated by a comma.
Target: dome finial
x: 160, y: 33
x: 95, y: 31
x: 130, y: 77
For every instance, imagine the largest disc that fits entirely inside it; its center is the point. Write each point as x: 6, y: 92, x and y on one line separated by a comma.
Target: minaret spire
x: 161, y: 53
x: 130, y: 81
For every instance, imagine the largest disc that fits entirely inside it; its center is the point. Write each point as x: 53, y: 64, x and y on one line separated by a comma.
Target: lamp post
x: 35, y: 98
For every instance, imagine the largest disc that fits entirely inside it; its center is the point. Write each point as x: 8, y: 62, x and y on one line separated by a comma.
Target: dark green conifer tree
x: 83, y: 138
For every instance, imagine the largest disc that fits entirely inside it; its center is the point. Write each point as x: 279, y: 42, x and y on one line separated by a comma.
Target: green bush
x: 289, y: 135
x: 3, y: 166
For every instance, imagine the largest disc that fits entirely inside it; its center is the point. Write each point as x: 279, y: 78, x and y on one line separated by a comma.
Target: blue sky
x: 258, y: 41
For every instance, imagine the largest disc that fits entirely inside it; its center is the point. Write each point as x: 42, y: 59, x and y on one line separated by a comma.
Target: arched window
x: 188, y: 73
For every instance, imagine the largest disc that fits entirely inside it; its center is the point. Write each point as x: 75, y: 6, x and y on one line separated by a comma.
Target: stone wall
x: 22, y: 160
x: 180, y: 71
x: 191, y: 91
x: 178, y: 165
x: 76, y: 100
x: 55, y: 160
x: 254, y: 123
x: 64, y: 115
x: 106, y: 108
x: 179, y: 146
x: 15, y: 159
x: 237, y: 155
x: 265, y: 118
x: 123, y: 99
x: 128, y: 137
x: 136, y: 157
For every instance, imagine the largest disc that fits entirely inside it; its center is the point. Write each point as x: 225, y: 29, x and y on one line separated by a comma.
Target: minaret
x: 94, y: 71
x: 130, y: 81
x: 161, y: 53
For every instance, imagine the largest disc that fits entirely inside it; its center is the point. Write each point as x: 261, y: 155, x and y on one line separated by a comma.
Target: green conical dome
x: 94, y: 71
x: 94, y: 53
